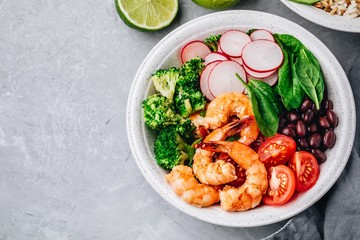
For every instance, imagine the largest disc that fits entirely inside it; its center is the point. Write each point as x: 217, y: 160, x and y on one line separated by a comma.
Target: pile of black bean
x: 312, y: 129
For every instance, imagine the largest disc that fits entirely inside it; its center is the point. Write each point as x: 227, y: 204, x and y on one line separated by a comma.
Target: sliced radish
x: 258, y: 74
x: 194, y: 49
x: 271, y: 80
x: 222, y: 78
x: 204, y: 80
x: 262, y: 55
x: 238, y: 60
x: 215, y: 56
x: 262, y: 34
x: 232, y: 42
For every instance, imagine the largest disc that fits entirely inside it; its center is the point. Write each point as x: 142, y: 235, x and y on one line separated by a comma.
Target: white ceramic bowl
x: 323, y: 18
x: 166, y: 54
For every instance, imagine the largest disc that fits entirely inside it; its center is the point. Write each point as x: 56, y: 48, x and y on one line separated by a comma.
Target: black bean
x: 320, y: 155
x: 289, y: 132
x: 332, y: 117
x: 327, y: 104
x: 282, y: 123
x: 291, y: 125
x: 329, y: 139
x: 323, y: 122
x: 308, y: 116
x: 313, y: 128
x: 317, y: 112
x: 293, y: 117
x: 307, y: 104
x: 300, y: 128
x: 315, y: 140
x: 303, y: 144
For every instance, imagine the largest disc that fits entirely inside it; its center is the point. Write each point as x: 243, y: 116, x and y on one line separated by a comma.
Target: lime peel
x: 147, y: 15
x: 216, y: 4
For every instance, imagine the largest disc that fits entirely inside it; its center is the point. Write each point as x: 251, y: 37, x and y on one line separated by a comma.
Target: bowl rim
x: 134, y: 132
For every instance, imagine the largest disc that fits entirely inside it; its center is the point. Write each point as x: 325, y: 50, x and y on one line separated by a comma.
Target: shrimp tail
x: 228, y: 130
x: 218, y: 146
x: 236, y: 126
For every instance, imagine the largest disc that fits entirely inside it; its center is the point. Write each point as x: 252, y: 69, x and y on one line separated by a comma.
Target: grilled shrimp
x: 219, y: 172
x: 250, y: 193
x: 231, y: 104
x: 184, y: 184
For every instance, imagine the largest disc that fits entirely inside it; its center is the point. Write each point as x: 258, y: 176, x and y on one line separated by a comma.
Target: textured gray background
x: 66, y: 170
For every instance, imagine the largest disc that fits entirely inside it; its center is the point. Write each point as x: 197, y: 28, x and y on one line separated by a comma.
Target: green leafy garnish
x: 299, y: 74
x: 269, y: 94
x: 310, y: 76
x: 288, y: 85
x: 263, y: 106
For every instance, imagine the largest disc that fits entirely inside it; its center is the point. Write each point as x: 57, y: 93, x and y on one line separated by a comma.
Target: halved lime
x: 147, y: 15
x: 216, y: 4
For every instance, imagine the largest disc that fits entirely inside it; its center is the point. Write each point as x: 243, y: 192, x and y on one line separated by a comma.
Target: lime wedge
x: 147, y: 15
x: 216, y: 4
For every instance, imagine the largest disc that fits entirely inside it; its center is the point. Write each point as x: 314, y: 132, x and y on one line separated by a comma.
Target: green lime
x: 216, y: 4
x: 147, y: 15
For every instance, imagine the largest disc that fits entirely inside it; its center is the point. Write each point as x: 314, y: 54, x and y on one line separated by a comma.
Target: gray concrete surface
x: 66, y: 170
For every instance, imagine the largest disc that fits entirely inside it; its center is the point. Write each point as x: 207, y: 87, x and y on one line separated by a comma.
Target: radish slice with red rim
x: 262, y: 34
x: 232, y: 42
x: 204, y: 80
x: 258, y: 74
x: 271, y: 80
x: 238, y: 60
x: 194, y: 49
x: 215, y: 56
x: 223, y: 79
x: 262, y: 55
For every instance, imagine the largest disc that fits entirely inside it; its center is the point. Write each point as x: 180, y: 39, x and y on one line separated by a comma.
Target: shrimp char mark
x: 249, y: 194
x: 217, y: 172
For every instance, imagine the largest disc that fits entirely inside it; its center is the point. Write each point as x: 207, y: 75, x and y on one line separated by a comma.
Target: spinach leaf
x: 307, y: 2
x: 289, y: 42
x: 306, y: 73
x: 311, y: 58
x: 269, y: 93
x: 310, y: 76
x: 265, y: 115
x: 288, y: 85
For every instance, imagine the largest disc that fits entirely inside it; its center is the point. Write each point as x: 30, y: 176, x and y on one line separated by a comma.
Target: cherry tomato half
x: 306, y: 170
x: 276, y: 150
x: 281, y: 185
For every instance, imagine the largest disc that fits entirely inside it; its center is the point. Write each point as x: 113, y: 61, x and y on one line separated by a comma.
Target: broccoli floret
x: 189, y: 101
x: 193, y: 67
x: 186, y: 129
x: 171, y: 149
x: 159, y: 112
x: 188, y: 97
x: 164, y: 81
x: 213, y: 42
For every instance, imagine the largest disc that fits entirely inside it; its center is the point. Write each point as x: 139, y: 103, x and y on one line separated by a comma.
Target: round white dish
x: 166, y: 54
x: 323, y: 18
